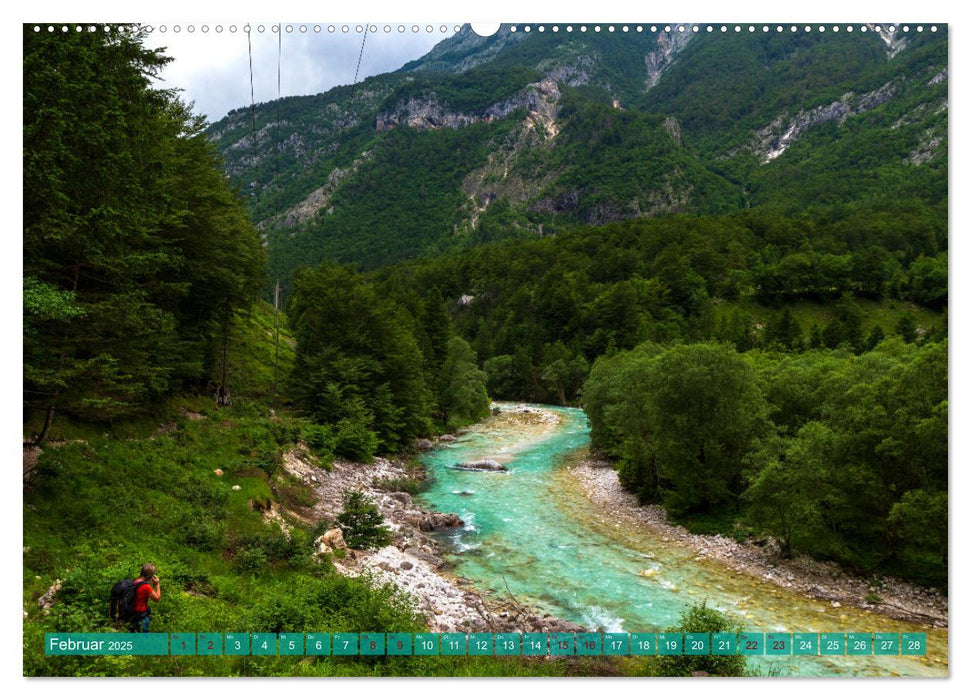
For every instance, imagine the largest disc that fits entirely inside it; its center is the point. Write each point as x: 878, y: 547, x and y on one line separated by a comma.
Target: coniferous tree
x: 135, y: 248
x: 361, y: 524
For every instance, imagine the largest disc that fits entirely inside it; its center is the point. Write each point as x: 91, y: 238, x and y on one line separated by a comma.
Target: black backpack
x: 122, y: 605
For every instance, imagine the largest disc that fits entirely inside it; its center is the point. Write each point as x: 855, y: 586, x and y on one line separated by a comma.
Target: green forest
x: 766, y: 364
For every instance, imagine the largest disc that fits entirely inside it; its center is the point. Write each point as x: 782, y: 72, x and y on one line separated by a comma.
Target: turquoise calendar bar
x: 589, y: 644
x: 183, y: 644
x: 508, y: 644
x: 372, y: 644
x: 778, y: 644
x: 209, y: 644
x: 859, y: 644
x: 487, y: 644
x: 886, y: 643
x: 454, y: 644
x: 263, y: 644
x: 291, y: 644
x: 318, y: 643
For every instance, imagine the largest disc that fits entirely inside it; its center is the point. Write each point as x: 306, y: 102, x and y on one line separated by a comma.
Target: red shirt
x: 142, y: 596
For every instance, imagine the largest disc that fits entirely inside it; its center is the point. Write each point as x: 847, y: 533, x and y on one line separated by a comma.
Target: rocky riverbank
x: 413, y: 562
x: 823, y: 581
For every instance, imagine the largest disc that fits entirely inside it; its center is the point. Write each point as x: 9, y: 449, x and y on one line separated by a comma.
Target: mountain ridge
x: 549, y: 131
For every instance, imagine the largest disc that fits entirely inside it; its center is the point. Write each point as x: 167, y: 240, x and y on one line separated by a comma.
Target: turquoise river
x: 532, y: 532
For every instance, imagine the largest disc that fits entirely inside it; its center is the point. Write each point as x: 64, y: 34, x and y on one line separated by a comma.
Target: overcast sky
x: 212, y: 68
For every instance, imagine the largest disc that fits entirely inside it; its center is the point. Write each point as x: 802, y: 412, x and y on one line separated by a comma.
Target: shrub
x: 355, y: 441
x: 204, y: 534
x: 402, y: 483
x: 361, y: 523
x: 249, y: 560
x: 319, y: 438
x: 266, y: 460
x: 700, y: 618
x: 269, y: 540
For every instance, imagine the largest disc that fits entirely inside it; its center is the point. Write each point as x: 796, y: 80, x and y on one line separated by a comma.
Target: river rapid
x: 532, y: 533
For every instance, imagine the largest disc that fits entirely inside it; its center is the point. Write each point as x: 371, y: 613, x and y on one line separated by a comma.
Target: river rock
x: 447, y: 438
x: 427, y: 557
x: 435, y: 522
x: 407, y: 565
x: 401, y: 497
x: 481, y: 465
x: 423, y: 445
x: 333, y: 538
x: 47, y: 600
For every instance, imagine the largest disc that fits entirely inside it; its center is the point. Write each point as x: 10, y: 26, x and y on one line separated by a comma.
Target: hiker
x: 129, y: 599
x: 144, y: 590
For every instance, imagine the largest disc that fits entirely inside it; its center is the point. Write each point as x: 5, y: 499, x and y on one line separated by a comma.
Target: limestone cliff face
x: 668, y: 46
x: 320, y: 198
x: 772, y: 141
x: 538, y: 99
x: 499, y: 178
x: 895, y: 40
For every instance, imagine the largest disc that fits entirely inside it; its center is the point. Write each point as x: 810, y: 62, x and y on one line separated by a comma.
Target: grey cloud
x: 213, y: 72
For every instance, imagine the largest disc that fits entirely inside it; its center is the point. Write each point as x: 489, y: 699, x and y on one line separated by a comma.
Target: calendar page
x: 442, y: 349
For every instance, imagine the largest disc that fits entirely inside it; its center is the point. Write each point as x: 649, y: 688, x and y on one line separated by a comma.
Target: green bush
x: 249, y: 560
x: 204, y: 534
x: 700, y: 618
x: 268, y: 461
x: 319, y: 438
x: 355, y: 441
x: 402, y: 483
x: 269, y: 540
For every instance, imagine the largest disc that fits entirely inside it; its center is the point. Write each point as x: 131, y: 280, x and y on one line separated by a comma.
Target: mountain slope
x: 521, y: 135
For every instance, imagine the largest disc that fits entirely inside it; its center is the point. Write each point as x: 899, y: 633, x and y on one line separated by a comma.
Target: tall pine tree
x: 135, y: 248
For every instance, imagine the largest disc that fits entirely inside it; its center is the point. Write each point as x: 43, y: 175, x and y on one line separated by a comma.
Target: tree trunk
x: 222, y: 393
x: 48, y: 420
